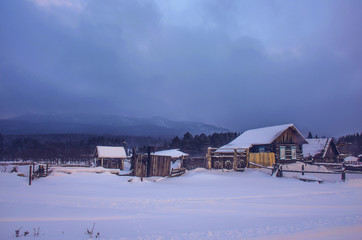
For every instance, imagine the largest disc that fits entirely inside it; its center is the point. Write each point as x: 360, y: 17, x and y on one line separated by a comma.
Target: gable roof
x: 316, y: 146
x: 174, y: 153
x: 260, y: 136
x: 111, y: 152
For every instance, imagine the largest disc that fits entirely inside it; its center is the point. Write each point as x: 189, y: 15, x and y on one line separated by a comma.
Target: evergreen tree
x: 310, y: 135
x: 176, y: 143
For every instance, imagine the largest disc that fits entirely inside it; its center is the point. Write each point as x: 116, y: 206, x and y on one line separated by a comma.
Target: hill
x: 102, y: 124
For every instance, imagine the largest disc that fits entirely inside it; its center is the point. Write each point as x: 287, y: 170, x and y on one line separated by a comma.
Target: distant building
x: 263, y: 146
x: 320, y: 150
x: 110, y: 157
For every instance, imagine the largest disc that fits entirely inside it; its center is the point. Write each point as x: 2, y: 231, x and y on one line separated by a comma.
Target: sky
x: 235, y: 64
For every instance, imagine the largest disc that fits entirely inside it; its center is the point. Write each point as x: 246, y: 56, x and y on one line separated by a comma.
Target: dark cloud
x: 232, y: 63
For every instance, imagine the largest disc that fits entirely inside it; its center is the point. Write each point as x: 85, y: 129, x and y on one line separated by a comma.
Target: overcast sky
x: 236, y: 64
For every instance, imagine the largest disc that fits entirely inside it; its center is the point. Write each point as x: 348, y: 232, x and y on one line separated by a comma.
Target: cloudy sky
x: 236, y: 64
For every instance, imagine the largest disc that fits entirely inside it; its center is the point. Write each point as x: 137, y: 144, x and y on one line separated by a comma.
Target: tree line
x: 350, y: 144
x: 64, y: 147
x: 197, y: 145
x: 78, y: 147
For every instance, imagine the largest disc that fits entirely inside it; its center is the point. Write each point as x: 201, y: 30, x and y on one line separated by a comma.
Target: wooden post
x: 208, y: 157
x: 344, y: 175
x: 303, y: 169
x: 30, y: 174
x: 280, y: 172
x: 235, y: 158
x: 142, y: 169
x: 47, y: 169
x: 101, y: 162
x: 247, y: 157
x: 33, y: 167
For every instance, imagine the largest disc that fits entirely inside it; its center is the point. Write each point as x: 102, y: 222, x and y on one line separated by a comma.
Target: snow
x: 351, y: 159
x: 309, y: 178
x: 307, y: 167
x: 72, y: 170
x: 257, y: 136
x: 176, y: 164
x: 314, y: 146
x: 111, y: 152
x: 174, y: 153
x: 201, y: 204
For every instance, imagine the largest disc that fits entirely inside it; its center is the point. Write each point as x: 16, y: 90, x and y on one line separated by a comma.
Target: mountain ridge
x: 102, y: 124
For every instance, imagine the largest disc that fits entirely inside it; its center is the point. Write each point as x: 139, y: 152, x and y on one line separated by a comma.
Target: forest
x: 350, y: 144
x: 80, y: 147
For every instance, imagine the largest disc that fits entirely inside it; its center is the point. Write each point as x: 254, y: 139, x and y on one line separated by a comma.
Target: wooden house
x: 262, y: 146
x: 110, y: 157
x: 321, y: 150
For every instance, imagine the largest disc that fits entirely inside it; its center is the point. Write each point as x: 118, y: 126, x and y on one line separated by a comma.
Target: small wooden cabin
x: 110, y: 157
x: 263, y: 146
x: 320, y: 150
x: 156, y: 164
x: 177, y: 157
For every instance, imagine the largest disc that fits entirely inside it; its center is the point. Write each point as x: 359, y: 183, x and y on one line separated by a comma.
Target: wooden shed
x: 263, y: 146
x: 177, y: 157
x: 321, y: 150
x: 110, y: 157
x: 158, y: 163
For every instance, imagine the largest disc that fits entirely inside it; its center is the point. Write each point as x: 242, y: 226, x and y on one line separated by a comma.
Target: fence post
x: 30, y: 174
x: 303, y: 169
x: 280, y: 172
x: 47, y: 170
x: 344, y: 175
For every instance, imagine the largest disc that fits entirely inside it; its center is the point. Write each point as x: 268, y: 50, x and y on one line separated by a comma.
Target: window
x: 282, y: 152
x: 294, y: 152
x: 261, y: 149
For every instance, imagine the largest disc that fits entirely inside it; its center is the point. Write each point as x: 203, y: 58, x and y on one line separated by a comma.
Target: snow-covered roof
x: 351, y: 159
x: 315, y: 146
x: 258, y: 136
x: 174, y: 153
x: 111, y: 152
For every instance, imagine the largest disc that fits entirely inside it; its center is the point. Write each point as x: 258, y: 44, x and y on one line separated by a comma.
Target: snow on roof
x: 174, y: 153
x: 111, y: 152
x: 257, y: 136
x: 351, y: 159
x: 315, y: 146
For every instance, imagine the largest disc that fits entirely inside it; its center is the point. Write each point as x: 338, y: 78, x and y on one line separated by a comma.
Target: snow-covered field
x: 202, y: 204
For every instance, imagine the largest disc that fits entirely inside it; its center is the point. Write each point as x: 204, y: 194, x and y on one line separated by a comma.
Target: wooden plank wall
x: 263, y: 158
x: 139, y: 168
x: 194, y: 162
x: 159, y: 166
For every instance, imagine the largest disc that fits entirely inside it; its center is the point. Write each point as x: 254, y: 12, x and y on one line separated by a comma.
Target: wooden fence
x: 280, y: 171
x: 177, y: 172
x: 229, y: 158
x: 42, y: 171
x: 263, y: 159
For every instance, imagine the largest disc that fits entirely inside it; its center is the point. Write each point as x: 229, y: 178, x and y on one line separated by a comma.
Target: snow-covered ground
x: 202, y: 204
